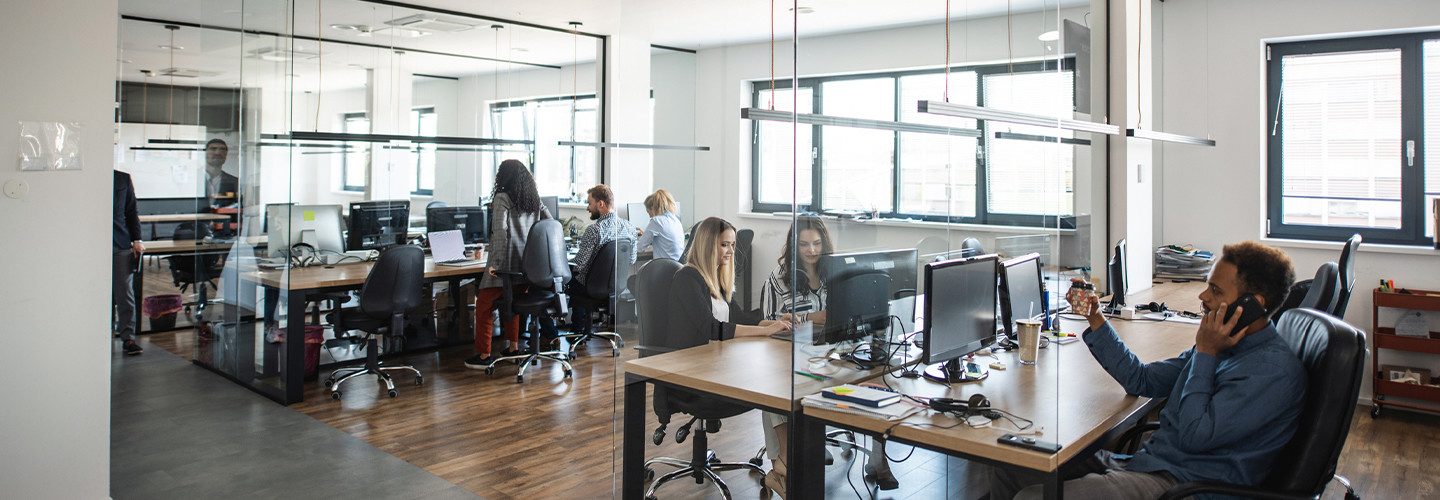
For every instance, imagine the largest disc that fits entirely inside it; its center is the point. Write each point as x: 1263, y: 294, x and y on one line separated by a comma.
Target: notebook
x: 861, y: 395
x: 449, y: 250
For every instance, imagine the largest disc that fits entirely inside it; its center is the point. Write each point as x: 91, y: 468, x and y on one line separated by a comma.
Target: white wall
x: 55, y: 420
x: 1213, y: 196
x: 722, y: 175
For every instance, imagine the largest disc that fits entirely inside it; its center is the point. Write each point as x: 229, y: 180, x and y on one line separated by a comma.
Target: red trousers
x: 486, y: 301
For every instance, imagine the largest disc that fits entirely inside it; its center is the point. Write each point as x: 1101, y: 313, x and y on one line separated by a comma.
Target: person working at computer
x: 125, y: 248
x: 515, y: 206
x: 702, y: 291
x: 664, y: 231
x: 1233, y: 399
x: 218, y: 183
x: 608, y: 227
x: 776, y: 297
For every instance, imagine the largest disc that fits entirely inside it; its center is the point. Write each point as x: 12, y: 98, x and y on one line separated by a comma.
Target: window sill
x: 911, y: 223
x: 1336, y: 246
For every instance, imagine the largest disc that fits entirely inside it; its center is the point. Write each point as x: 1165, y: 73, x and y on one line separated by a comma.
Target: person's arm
x: 1141, y: 379
x: 132, y: 219
x: 629, y: 235
x: 692, y: 313
x: 647, y: 237
x: 769, y: 299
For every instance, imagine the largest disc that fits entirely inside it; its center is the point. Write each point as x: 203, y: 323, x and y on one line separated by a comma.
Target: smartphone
x: 1252, y: 310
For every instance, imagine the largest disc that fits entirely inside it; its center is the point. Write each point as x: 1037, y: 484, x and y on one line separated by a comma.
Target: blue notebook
x: 867, y: 396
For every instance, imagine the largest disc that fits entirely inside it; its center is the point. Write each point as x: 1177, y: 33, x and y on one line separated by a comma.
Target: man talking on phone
x: 1233, y: 398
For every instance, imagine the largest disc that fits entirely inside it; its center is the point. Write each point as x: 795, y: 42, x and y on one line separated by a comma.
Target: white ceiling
x: 692, y: 24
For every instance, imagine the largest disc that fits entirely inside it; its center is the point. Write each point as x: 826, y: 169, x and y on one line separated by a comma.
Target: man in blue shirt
x: 1232, y: 402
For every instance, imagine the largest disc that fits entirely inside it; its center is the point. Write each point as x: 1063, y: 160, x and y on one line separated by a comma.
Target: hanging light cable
x: 320, y: 61
x: 170, y: 101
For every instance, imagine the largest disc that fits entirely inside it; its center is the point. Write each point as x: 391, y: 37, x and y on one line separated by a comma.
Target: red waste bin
x: 314, y: 339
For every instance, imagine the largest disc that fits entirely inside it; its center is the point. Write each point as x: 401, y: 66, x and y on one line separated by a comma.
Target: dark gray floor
x: 180, y: 431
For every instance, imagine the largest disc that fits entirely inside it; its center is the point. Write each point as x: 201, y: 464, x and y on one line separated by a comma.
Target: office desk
x: 1066, y: 392
x: 316, y: 279
x: 161, y: 248
x: 757, y: 372
x: 154, y: 220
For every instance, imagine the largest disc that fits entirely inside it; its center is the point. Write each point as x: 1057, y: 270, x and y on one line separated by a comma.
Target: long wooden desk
x: 1066, y: 391
x: 315, y: 279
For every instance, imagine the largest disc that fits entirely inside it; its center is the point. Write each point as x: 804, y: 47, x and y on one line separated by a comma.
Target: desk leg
x: 455, y: 319
x: 1053, y: 486
x: 804, y: 459
x: 293, y: 373
x: 632, y: 458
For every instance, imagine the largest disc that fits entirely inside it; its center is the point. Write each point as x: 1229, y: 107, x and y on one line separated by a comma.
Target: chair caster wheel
x: 649, y: 474
x: 535, y: 362
x: 519, y: 378
x: 615, y: 353
x: 419, y: 380
x: 335, y: 395
x: 329, y: 383
x: 568, y: 373
x: 489, y: 370
x: 1374, y: 411
x: 393, y: 393
x: 755, y: 461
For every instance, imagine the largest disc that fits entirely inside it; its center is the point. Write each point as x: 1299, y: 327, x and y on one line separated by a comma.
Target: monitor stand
x: 956, y: 371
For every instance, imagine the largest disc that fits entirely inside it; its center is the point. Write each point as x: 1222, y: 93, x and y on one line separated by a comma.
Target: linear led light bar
x: 1042, y: 138
x: 333, y: 136
x: 622, y: 145
x: 983, y: 113
x: 1167, y: 137
x: 198, y: 142
x: 840, y: 121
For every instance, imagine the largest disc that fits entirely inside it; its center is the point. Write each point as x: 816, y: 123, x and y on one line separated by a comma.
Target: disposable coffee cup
x: 1029, y: 340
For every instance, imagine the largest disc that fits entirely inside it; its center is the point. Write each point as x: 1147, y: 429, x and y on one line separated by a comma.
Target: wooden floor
x: 551, y: 437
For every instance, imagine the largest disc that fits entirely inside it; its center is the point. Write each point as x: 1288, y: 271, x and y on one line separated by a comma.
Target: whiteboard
x: 161, y: 174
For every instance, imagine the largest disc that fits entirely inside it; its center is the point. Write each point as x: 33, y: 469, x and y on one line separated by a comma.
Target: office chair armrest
x: 1129, y: 442
x: 1187, y: 490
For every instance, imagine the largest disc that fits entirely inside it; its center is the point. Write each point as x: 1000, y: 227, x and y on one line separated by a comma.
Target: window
x: 1348, y: 126
x: 562, y: 171
x: 352, y: 163
x: 917, y: 175
x: 423, y: 123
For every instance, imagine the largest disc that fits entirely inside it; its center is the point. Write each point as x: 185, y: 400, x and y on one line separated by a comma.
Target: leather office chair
x: 604, y: 282
x: 1347, y: 275
x: 192, y: 269
x: 436, y: 204
x: 1333, y: 353
x: 545, y: 270
x: 744, y: 278
x: 652, y: 296
x: 971, y: 247
x: 1319, y: 293
x: 392, y: 288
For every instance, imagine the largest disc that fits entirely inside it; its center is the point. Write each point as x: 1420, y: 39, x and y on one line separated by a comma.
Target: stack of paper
x: 1174, y: 261
x: 889, y: 412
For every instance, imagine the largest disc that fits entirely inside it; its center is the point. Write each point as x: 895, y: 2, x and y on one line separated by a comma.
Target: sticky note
x: 842, y: 390
x: 308, y: 215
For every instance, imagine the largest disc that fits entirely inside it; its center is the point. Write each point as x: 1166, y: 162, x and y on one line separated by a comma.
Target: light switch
x: 17, y: 189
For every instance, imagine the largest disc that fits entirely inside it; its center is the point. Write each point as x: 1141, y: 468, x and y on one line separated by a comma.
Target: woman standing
x: 514, y: 207
x: 664, y: 230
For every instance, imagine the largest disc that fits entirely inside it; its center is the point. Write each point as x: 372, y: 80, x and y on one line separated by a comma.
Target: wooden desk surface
x: 181, y: 246
x: 350, y: 274
x: 146, y: 219
x: 1066, y: 392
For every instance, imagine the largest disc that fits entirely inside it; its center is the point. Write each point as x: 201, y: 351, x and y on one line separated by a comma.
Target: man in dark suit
x: 126, y: 250
x: 217, y: 181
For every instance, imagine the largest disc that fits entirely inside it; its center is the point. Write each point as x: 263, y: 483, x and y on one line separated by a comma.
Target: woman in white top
x: 776, y: 298
x: 664, y: 231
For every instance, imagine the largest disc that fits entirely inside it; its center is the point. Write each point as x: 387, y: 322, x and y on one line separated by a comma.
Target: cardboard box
x: 1396, y: 373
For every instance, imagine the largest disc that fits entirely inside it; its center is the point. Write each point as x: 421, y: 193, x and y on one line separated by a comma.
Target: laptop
x: 448, y: 249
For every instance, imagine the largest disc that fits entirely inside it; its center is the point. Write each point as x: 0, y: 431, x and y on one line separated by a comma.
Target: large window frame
x: 530, y: 131
x: 816, y: 155
x: 424, y: 153
x: 1413, y: 211
x: 361, y: 149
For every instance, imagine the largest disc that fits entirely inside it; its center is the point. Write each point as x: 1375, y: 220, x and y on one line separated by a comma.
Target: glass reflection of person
x: 702, y: 291
x: 664, y: 231
x: 776, y: 296
x: 220, y: 186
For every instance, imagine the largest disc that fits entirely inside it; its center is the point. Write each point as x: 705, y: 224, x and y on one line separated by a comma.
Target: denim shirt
x: 1228, y: 416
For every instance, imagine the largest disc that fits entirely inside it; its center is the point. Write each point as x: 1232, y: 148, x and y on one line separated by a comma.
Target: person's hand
x: 1214, y: 334
x: 776, y: 327
x: 639, y: 232
x: 786, y: 318
x: 137, y: 248
x: 1090, y: 302
x: 493, y: 270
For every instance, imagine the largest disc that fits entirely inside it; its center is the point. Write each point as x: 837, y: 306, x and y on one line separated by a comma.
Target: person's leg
x: 122, y: 294
x: 485, y: 299
x: 579, y: 315
x: 777, y: 432
x: 1006, y: 483
x: 510, y: 329
x: 1114, y: 482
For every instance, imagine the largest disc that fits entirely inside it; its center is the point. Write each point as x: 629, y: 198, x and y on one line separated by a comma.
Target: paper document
x: 890, y: 412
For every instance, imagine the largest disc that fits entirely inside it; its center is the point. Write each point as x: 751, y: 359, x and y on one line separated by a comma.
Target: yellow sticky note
x: 309, y: 215
x: 842, y: 390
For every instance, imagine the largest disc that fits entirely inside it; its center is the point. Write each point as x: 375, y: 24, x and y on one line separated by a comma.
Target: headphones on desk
x: 976, y: 405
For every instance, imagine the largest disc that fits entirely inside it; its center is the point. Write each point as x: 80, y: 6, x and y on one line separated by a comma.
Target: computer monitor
x: 319, y: 226
x: 859, y: 288
x: 378, y: 224
x: 1115, y: 272
x: 472, y: 222
x: 1022, y: 293
x: 959, y: 315
x: 552, y: 203
x: 639, y: 217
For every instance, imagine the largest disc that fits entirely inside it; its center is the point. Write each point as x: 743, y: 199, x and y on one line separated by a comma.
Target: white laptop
x: 448, y: 249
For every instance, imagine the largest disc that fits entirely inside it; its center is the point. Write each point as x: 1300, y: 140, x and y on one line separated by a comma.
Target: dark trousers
x: 122, y: 291
x: 579, y: 315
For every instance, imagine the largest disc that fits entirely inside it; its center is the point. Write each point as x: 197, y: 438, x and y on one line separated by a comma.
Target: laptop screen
x: 446, y: 246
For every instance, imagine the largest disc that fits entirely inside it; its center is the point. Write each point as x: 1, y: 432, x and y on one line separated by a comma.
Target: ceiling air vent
x: 430, y: 23
x: 276, y: 54
x: 186, y: 73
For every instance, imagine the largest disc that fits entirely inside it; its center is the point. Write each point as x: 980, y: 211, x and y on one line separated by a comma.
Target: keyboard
x: 461, y: 263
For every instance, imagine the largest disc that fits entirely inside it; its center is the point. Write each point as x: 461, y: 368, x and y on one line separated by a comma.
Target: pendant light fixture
x: 1155, y: 135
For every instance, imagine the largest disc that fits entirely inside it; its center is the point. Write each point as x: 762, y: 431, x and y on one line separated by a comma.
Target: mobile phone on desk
x: 1251, y: 310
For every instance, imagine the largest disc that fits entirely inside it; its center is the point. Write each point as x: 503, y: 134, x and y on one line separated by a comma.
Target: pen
x: 812, y: 375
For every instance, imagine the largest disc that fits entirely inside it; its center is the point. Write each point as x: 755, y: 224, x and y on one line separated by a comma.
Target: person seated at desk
x: 664, y: 231
x: 515, y: 206
x: 1232, y: 403
x: 776, y: 297
x: 608, y: 227
x: 702, y: 291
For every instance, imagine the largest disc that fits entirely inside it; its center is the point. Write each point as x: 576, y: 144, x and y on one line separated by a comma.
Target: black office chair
x: 652, y: 300
x: 1333, y: 353
x: 604, y: 282
x: 689, y: 238
x: 1319, y: 293
x: 392, y: 288
x: 971, y: 247
x: 435, y: 204
x: 545, y: 271
x: 744, y: 279
x: 192, y: 269
x: 1347, y: 275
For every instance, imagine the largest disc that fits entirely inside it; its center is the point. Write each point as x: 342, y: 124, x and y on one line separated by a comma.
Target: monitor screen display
x: 1021, y: 292
x: 319, y: 226
x: 472, y: 222
x: 377, y: 225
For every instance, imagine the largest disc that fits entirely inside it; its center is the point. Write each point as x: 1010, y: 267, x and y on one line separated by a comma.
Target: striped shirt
x: 607, y: 229
x: 776, y: 299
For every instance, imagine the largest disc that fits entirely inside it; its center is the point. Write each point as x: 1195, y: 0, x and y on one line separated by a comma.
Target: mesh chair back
x: 1333, y: 353
x: 544, y: 257
x: 394, y: 284
x: 652, y: 296
x: 1347, y: 275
